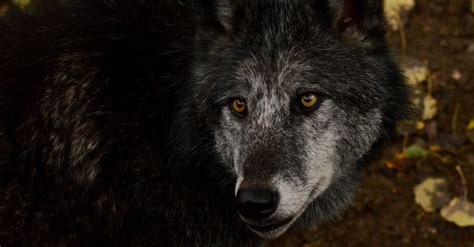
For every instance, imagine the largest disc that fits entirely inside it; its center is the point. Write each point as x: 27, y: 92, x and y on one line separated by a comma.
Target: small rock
x: 443, y: 43
x: 470, y: 48
x: 406, y: 240
x: 456, y: 75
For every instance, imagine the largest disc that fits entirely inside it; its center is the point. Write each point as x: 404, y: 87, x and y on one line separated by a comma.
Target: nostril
x: 256, y: 203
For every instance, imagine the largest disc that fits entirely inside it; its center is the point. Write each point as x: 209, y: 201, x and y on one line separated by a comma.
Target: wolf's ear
x: 358, y: 21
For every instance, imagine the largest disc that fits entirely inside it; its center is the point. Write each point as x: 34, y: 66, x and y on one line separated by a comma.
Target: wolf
x: 189, y: 123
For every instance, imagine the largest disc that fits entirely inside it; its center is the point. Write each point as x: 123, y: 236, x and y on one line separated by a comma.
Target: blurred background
x: 421, y: 192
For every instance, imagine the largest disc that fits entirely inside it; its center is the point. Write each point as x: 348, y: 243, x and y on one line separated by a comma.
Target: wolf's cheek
x: 319, y: 169
x: 318, y: 137
x: 357, y: 136
x: 339, y: 140
x: 227, y: 143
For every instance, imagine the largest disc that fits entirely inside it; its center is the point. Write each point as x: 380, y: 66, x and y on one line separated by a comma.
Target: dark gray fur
x: 113, y: 127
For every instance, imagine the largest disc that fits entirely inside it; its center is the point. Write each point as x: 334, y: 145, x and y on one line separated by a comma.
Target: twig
x: 472, y: 6
x: 454, y: 122
x: 438, y: 156
x: 466, y: 148
x: 406, y: 137
x: 463, y: 179
x: 403, y: 37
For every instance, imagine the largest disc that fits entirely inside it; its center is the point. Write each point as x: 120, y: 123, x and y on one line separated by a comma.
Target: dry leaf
x: 396, y: 165
x: 430, y: 107
x: 435, y: 148
x: 460, y: 212
x: 22, y: 3
x: 432, y: 194
x: 470, y: 48
x: 397, y: 11
x: 392, y: 165
x: 420, y: 125
x: 417, y: 74
x: 470, y: 126
x: 400, y: 156
x: 3, y: 9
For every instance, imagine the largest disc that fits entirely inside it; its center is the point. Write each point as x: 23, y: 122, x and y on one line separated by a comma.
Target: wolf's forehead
x: 271, y: 85
x: 277, y: 17
x: 273, y: 68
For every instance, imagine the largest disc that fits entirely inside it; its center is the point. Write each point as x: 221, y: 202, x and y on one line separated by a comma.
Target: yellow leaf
x: 394, y: 9
x: 435, y: 148
x: 391, y: 165
x: 3, y: 9
x: 400, y: 156
x: 420, y: 125
x: 460, y: 212
x: 22, y: 3
x: 416, y: 74
x: 430, y: 107
x: 470, y: 126
x: 432, y: 194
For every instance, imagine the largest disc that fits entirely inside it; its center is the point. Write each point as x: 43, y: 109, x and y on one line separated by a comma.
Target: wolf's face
x: 295, y: 102
x: 286, y: 151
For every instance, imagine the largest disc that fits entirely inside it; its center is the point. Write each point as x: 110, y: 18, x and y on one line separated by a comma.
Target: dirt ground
x: 441, y: 33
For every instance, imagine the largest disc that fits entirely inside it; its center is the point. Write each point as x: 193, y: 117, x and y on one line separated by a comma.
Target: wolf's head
x: 297, y: 95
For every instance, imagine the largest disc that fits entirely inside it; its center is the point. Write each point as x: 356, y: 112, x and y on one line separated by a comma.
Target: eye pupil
x: 239, y: 106
x: 309, y: 101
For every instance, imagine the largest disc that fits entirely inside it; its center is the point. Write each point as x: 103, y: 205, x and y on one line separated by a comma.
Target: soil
x: 384, y: 213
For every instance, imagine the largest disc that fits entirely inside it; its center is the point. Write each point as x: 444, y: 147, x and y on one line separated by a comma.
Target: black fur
x: 105, y: 137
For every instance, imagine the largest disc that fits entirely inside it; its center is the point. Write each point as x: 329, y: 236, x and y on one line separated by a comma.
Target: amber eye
x: 309, y: 101
x: 239, y: 106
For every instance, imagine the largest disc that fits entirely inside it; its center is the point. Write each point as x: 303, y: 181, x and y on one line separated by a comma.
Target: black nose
x: 256, y: 203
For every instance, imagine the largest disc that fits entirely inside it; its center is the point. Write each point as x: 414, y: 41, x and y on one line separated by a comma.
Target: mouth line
x: 270, y: 227
x: 270, y: 230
